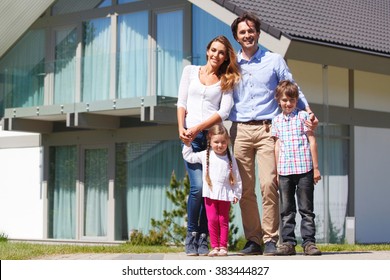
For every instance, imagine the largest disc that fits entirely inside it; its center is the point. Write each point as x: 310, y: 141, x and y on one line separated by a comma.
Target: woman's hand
x: 184, y: 137
x: 192, y: 132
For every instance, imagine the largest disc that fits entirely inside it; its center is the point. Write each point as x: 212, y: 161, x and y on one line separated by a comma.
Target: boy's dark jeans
x: 303, y: 186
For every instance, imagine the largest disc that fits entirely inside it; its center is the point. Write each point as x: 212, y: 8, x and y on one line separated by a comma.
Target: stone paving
x: 369, y: 255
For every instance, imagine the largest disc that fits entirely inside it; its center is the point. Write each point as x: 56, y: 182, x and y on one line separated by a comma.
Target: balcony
x: 72, y: 94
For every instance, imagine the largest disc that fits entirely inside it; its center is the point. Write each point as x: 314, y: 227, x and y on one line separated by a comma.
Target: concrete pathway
x: 370, y: 255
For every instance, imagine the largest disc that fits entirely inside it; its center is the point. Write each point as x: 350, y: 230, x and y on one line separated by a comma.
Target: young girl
x: 221, y: 185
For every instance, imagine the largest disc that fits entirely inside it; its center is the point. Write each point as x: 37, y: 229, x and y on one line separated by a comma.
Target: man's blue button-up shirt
x: 254, y: 96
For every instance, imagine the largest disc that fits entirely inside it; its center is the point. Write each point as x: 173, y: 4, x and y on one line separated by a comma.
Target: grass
x: 26, y: 251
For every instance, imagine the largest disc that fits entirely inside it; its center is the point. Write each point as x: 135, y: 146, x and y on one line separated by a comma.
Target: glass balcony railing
x: 68, y: 84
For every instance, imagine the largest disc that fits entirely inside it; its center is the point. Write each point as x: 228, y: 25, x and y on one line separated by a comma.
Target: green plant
x: 3, y: 237
x: 233, y: 229
x: 177, y: 194
x: 154, y: 238
x: 168, y: 230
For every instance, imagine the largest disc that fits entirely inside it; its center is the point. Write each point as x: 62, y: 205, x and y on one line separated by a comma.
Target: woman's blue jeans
x: 196, y: 212
x: 303, y: 186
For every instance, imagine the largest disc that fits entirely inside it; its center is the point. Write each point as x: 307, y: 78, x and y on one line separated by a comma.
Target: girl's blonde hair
x: 229, y: 71
x: 218, y: 129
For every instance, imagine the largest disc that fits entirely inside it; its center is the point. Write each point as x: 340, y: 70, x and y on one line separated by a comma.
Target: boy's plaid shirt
x: 294, y: 151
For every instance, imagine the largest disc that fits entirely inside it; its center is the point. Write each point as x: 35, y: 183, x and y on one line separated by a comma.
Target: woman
x: 205, y: 98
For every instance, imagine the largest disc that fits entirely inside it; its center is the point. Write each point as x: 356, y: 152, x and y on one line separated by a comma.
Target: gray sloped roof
x: 363, y: 25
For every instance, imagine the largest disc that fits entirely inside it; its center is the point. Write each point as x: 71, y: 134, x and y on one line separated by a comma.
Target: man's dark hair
x: 245, y: 17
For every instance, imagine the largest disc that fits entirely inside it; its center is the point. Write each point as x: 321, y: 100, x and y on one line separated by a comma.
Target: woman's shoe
x: 203, y: 248
x: 191, y: 244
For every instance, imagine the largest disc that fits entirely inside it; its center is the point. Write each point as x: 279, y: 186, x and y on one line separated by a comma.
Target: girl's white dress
x: 219, y: 174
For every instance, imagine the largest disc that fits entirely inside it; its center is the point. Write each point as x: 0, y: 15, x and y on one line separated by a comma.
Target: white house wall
x: 372, y: 187
x: 372, y: 91
x: 310, y: 78
x: 21, y: 207
x: 338, y: 86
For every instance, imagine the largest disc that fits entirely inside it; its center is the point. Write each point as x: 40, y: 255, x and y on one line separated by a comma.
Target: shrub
x: 168, y: 231
x: 3, y: 237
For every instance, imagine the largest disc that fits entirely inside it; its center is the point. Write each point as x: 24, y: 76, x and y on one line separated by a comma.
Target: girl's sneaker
x: 214, y: 252
x: 222, y: 252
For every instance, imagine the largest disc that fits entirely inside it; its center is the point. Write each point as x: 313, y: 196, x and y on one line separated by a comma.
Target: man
x: 254, y: 107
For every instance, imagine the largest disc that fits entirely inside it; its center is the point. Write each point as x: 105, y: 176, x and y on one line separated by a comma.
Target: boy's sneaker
x: 191, y: 244
x: 285, y: 249
x: 251, y: 248
x: 269, y: 248
x: 203, y: 248
x: 311, y: 249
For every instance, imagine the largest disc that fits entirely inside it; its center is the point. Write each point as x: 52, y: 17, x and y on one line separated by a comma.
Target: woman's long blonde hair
x: 229, y: 71
x: 218, y: 129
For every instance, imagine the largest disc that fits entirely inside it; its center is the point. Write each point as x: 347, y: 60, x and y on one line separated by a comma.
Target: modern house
x: 88, y: 92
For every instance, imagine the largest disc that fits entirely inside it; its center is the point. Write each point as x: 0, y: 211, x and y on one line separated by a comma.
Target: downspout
x: 326, y: 148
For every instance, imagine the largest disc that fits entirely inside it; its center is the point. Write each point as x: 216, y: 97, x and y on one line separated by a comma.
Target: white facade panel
x: 372, y: 187
x: 338, y: 86
x: 372, y: 91
x: 21, y: 204
x: 309, y: 78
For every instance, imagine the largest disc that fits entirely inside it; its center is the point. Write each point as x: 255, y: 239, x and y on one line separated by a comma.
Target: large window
x: 100, y: 50
x: 95, y: 180
x: 62, y: 192
x: 65, y: 66
x: 78, y: 192
x: 205, y: 27
x: 169, y: 52
x: 143, y: 172
x: 133, y: 54
x: 23, y: 72
x: 96, y: 60
x: 331, y: 193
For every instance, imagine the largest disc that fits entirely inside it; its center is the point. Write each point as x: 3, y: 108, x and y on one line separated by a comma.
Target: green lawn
x: 25, y: 251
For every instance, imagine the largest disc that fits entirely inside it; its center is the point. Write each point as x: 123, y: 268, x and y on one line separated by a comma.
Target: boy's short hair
x: 288, y: 88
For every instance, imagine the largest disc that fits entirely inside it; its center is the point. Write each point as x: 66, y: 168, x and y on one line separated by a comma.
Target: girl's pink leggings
x: 217, y: 212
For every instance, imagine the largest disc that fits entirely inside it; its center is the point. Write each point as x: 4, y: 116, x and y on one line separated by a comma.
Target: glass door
x: 94, y: 192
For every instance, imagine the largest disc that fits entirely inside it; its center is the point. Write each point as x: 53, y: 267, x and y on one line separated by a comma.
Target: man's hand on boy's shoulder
x: 312, y: 122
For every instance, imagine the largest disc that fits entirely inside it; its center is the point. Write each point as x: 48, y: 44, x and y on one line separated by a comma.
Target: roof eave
x: 339, y: 46
x: 339, y: 56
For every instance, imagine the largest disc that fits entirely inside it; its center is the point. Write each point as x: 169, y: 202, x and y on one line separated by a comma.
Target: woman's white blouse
x: 201, y: 101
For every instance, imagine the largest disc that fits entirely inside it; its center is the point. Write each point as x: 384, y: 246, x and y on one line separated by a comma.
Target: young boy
x: 297, y: 164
